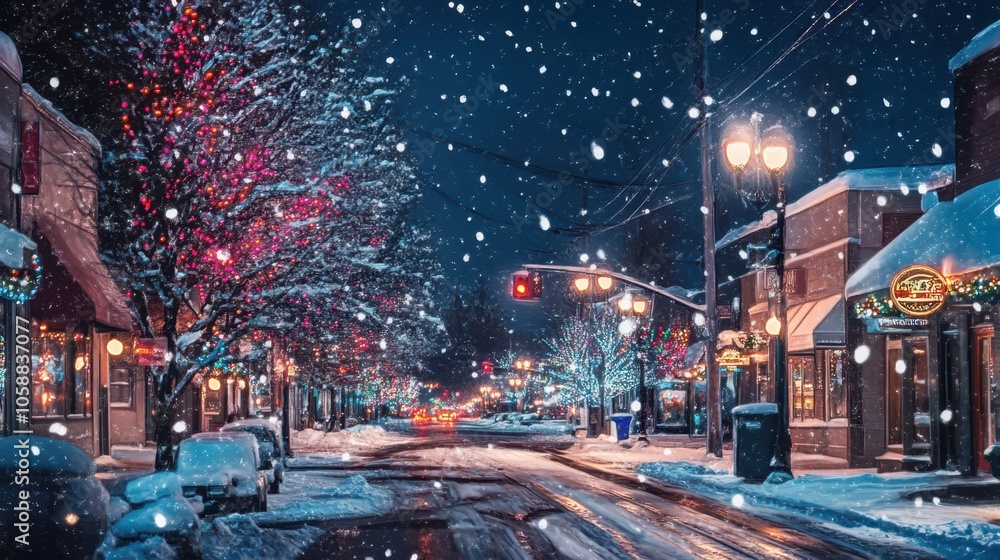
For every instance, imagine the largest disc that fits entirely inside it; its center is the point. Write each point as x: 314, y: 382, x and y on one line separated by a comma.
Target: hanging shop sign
x: 731, y: 357
x: 31, y: 160
x: 151, y: 352
x: 918, y: 290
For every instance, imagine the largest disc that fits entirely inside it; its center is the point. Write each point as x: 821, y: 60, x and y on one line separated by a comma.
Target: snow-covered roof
x: 955, y: 237
x: 987, y: 40
x: 12, y: 246
x: 56, y: 116
x: 9, y: 61
x: 931, y: 177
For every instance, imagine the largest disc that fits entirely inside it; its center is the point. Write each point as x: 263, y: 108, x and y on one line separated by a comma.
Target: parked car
x: 157, y: 509
x: 270, y: 446
x: 50, y: 498
x: 225, y: 470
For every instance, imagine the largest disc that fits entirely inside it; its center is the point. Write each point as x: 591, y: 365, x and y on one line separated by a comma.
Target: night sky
x: 609, y: 72
x: 554, y: 85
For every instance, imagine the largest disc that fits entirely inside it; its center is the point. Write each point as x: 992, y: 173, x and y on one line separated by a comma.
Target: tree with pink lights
x: 246, y: 197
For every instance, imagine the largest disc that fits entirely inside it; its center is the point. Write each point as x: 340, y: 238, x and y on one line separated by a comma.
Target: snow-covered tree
x: 577, y: 353
x: 243, y: 192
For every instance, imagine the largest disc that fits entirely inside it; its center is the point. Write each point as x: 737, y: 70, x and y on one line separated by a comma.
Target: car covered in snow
x: 158, y: 508
x: 225, y: 470
x: 51, y: 504
x: 269, y: 445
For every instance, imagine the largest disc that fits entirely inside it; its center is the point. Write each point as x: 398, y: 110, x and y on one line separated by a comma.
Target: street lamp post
x: 604, y: 283
x: 637, y: 305
x: 773, y: 150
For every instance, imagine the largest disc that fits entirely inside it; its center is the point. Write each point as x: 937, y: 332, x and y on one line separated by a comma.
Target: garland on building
x: 875, y: 306
x: 984, y: 290
x: 19, y: 284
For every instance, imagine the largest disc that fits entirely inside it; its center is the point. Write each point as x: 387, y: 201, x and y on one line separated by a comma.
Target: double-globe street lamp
x: 638, y: 306
x: 744, y: 148
x: 602, y: 283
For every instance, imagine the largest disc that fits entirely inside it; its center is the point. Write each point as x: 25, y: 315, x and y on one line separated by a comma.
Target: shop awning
x: 957, y: 237
x: 817, y: 324
x: 76, y: 249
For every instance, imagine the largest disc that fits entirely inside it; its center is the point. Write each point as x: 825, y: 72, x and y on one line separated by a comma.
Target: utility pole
x: 713, y: 444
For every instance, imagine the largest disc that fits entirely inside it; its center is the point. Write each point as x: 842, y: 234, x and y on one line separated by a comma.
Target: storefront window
x: 803, y: 374
x: 837, y: 384
x: 49, y: 375
x: 673, y: 404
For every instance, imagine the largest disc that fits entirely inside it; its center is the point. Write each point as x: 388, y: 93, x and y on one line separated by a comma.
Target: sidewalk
x: 127, y: 457
x: 929, y: 510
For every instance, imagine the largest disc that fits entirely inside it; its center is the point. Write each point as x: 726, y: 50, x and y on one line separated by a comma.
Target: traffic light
x: 488, y: 368
x: 526, y: 286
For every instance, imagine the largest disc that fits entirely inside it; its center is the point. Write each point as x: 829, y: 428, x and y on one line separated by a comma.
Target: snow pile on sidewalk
x: 315, y: 496
x: 363, y: 436
x: 865, y: 503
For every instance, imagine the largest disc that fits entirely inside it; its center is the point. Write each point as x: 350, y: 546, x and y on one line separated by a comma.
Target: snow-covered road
x: 456, y: 498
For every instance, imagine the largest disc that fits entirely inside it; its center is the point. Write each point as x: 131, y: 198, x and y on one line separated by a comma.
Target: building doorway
x: 986, y: 409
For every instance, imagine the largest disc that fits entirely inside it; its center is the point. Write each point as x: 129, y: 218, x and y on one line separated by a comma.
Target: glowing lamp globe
x: 115, y: 347
x: 625, y: 302
x: 582, y: 284
x: 214, y: 384
x: 773, y: 326
x: 605, y: 282
x: 738, y: 154
x: 775, y: 158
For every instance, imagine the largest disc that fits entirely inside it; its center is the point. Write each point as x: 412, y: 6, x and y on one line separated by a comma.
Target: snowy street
x: 545, y: 279
x: 453, y: 495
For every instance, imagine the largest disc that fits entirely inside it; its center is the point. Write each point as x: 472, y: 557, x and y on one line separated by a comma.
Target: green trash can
x: 755, y: 433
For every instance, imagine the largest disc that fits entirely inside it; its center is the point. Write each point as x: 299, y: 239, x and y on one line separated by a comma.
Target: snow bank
x: 237, y: 537
x: 307, y: 496
x: 556, y: 428
x: 363, y: 436
x: 153, y: 549
x: 865, y: 502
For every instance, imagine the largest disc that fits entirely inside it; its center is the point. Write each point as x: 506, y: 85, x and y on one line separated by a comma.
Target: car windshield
x: 205, y: 456
x: 263, y: 435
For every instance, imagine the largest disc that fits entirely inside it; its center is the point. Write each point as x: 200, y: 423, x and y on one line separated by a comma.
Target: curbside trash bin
x: 754, y: 437
x: 622, y: 424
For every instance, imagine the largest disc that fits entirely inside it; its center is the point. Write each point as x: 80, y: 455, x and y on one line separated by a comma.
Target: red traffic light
x: 526, y: 286
x: 488, y: 367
